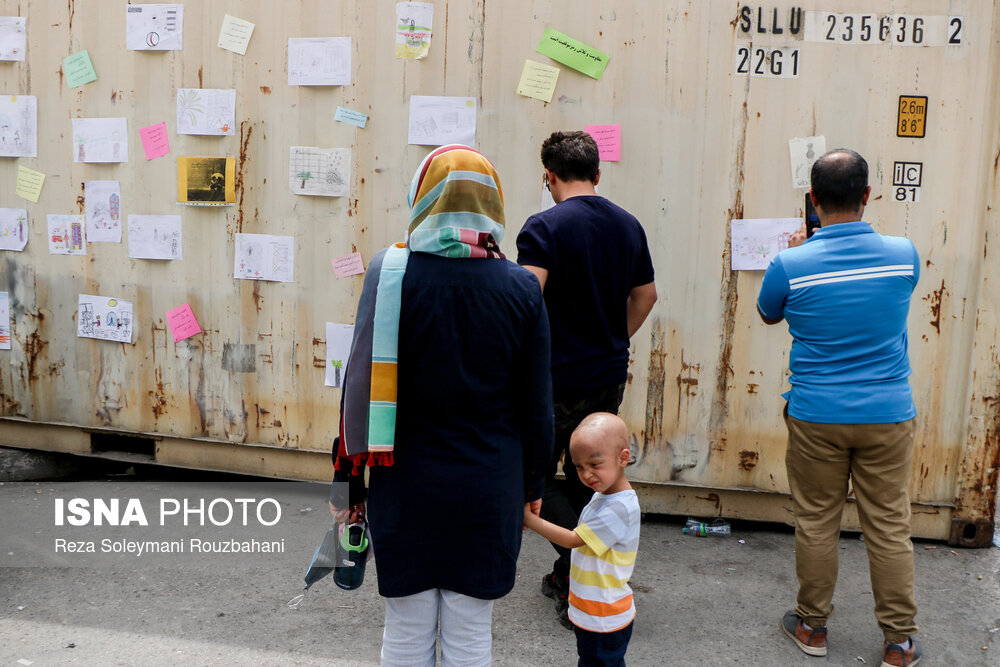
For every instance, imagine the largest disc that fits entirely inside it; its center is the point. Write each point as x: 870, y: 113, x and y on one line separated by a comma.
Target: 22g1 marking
x: 780, y: 63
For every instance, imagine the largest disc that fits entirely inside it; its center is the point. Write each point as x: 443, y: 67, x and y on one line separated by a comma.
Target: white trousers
x: 411, y: 630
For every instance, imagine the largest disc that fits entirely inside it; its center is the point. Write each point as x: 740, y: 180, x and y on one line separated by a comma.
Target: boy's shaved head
x: 605, y: 428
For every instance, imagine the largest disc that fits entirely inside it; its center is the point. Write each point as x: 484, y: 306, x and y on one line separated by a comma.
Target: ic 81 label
x: 780, y: 63
x: 898, y: 29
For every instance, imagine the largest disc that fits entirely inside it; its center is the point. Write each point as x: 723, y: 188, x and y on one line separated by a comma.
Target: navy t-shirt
x: 595, y: 252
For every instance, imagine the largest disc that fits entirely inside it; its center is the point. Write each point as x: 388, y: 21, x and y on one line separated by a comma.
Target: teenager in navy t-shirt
x: 592, y: 261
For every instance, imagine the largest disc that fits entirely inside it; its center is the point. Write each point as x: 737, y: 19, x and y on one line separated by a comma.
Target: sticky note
x: 78, y: 69
x: 235, y: 34
x: 573, y: 53
x: 182, y: 322
x: 154, y: 140
x: 345, y: 115
x: 348, y: 265
x: 609, y: 141
x: 29, y: 183
x: 538, y: 81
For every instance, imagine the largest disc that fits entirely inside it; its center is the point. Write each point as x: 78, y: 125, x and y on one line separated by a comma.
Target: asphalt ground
x: 700, y: 601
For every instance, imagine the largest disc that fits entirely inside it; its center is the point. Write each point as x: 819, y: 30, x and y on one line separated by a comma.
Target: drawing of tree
x: 190, y: 103
x: 337, y: 366
x: 80, y: 141
x: 305, y: 176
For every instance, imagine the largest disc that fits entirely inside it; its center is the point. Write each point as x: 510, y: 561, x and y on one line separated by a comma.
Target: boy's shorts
x: 602, y: 649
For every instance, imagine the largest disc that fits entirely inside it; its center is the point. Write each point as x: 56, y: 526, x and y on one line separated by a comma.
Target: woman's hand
x: 349, y: 515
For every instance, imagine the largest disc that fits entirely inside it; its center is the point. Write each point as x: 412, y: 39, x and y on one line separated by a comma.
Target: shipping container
x: 717, y: 101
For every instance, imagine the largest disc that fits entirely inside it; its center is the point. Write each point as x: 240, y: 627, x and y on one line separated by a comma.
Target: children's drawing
x: 206, y: 181
x: 67, y: 235
x: 5, y: 321
x: 319, y: 171
x: 18, y: 126
x: 755, y: 242
x: 105, y: 318
x: 264, y: 257
x: 436, y: 121
x: 155, y: 237
x: 413, y: 29
x: 103, y: 211
x: 206, y: 111
x: 154, y: 27
x: 100, y: 139
x: 13, y: 38
x: 338, y: 347
x: 13, y: 228
x: 803, y: 152
x: 319, y: 61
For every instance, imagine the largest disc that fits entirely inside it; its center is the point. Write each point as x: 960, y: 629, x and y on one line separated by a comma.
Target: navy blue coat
x: 473, y: 428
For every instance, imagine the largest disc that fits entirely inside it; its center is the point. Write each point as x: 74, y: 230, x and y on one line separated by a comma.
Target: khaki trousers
x: 877, y: 458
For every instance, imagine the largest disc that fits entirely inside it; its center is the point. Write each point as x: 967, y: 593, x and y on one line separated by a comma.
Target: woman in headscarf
x: 447, y: 398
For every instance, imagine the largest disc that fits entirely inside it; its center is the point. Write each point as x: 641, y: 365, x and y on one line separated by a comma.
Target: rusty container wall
x: 702, y: 144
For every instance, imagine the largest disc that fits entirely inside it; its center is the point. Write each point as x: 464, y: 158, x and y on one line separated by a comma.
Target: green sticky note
x: 573, y: 53
x: 78, y: 69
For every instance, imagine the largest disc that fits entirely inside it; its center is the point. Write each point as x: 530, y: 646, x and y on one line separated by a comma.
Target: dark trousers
x: 564, y: 499
x: 602, y: 649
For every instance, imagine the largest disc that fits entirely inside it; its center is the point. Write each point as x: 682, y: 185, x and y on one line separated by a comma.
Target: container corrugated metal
x: 702, y: 143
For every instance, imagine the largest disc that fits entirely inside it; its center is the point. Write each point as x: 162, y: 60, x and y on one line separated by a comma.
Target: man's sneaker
x: 556, y: 588
x: 812, y: 642
x: 564, y: 618
x: 893, y: 655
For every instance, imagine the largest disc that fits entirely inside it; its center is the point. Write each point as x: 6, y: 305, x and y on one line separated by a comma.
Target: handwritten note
x: 182, y: 323
x: 609, y: 141
x: 154, y: 140
x: 29, y: 183
x: 538, y: 81
x: 235, y: 34
x: 345, y: 115
x: 573, y: 53
x: 78, y: 69
x: 348, y: 265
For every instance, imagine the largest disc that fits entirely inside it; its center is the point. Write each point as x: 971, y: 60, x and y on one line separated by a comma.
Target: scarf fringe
x: 380, y: 459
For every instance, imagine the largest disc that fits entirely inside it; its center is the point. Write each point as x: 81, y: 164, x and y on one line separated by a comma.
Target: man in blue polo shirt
x: 845, y: 294
x: 593, y: 264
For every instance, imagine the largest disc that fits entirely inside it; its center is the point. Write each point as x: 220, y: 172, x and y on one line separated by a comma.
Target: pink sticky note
x: 154, y: 140
x: 609, y: 141
x: 348, y: 265
x: 182, y: 322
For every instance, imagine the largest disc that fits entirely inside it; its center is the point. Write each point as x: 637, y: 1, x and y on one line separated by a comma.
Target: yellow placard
x: 912, y: 118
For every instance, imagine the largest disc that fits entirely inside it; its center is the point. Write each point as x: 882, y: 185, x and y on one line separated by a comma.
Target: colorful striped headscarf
x: 456, y: 210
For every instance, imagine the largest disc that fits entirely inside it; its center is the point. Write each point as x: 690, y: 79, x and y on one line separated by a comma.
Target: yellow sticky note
x: 235, y: 34
x: 538, y: 81
x: 29, y: 183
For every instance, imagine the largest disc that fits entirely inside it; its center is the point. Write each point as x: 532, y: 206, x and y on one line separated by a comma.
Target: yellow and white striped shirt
x: 600, y: 599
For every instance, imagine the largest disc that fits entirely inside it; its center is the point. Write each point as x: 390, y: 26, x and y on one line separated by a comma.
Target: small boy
x: 604, y: 543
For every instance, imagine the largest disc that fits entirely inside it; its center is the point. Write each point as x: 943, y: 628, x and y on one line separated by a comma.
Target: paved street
x: 701, y: 601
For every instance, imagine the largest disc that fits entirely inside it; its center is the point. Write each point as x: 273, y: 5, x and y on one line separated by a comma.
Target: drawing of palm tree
x: 80, y: 141
x: 305, y: 176
x: 190, y: 103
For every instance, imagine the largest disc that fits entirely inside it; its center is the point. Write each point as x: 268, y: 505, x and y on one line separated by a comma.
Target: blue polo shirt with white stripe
x: 845, y: 294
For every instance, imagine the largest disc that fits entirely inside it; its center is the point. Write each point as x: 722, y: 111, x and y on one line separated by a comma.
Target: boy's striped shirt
x: 600, y: 599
